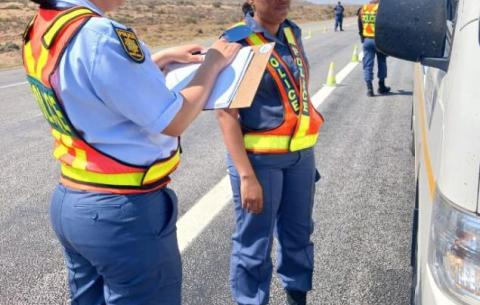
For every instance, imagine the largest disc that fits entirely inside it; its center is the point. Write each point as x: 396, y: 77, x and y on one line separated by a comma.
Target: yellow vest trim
x: 129, y: 179
x: 369, y: 16
x: 61, y: 21
x: 161, y: 169
x: 299, y: 143
x: 265, y: 142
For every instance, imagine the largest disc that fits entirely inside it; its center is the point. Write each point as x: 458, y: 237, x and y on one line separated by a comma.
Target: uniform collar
x: 84, y: 3
x: 257, y: 28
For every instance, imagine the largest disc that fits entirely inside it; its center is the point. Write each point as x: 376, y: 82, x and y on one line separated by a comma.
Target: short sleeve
x: 135, y: 90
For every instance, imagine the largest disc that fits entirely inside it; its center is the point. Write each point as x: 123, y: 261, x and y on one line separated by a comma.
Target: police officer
x: 271, y: 162
x: 366, y: 25
x: 339, y: 14
x: 116, y: 129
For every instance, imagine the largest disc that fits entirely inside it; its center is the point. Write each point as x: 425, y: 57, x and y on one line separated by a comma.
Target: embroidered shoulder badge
x: 130, y: 44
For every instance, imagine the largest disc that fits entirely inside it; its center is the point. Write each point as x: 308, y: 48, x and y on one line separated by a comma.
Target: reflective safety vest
x: 369, y: 16
x: 301, y: 123
x: 82, y: 166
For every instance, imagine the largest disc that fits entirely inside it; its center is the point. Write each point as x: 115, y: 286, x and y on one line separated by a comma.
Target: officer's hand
x: 221, y: 53
x: 251, y: 194
x: 182, y: 54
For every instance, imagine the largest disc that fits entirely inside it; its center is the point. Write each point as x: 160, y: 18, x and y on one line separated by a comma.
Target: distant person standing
x: 367, y: 16
x: 339, y: 11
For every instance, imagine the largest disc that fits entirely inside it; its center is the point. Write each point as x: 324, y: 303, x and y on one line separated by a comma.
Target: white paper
x: 227, y: 82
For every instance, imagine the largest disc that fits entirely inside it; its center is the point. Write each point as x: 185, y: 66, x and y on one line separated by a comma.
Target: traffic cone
x: 309, y: 34
x: 355, y: 54
x: 331, y: 78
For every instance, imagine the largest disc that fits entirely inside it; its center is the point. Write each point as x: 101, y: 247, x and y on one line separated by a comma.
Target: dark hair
x: 45, y: 3
x: 247, y: 9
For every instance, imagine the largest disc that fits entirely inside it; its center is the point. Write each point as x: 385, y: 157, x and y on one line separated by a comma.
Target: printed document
x: 227, y: 82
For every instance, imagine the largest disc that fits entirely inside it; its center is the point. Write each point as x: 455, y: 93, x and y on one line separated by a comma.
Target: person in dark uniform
x: 339, y: 14
x: 116, y: 127
x: 271, y: 162
x: 366, y: 25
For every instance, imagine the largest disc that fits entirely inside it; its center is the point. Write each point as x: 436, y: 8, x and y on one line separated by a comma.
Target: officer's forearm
x: 195, y: 96
x: 233, y: 138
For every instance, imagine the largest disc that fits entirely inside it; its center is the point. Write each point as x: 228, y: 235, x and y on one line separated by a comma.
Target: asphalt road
x: 362, y: 208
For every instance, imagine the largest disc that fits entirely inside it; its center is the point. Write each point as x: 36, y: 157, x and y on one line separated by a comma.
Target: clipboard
x: 251, y: 80
x: 236, y: 85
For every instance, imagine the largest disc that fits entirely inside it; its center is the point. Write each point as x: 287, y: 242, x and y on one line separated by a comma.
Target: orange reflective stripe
x: 61, y: 21
x: 369, y: 16
x: 83, y: 167
x: 294, y: 94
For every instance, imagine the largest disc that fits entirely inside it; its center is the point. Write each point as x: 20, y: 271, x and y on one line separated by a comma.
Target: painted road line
x: 322, y: 94
x: 193, y: 222
x: 13, y: 85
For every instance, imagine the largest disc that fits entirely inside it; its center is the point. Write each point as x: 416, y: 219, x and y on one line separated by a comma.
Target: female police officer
x: 271, y: 162
x: 116, y: 129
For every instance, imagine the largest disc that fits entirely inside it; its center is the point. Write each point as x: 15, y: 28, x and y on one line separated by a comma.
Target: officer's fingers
x: 259, y: 205
x: 244, y: 204
x: 192, y: 48
x: 252, y: 208
x: 196, y: 58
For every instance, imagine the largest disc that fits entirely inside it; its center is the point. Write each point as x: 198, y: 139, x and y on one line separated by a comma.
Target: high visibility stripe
x: 82, y: 166
x: 265, y: 142
x: 60, y: 150
x: 255, y: 39
x: 289, y: 35
x: 162, y: 169
x: 64, y: 19
x: 369, y: 14
x: 299, y: 143
x: 80, y: 160
x: 303, y: 122
x: 41, y: 63
x: 29, y: 59
x: 129, y: 179
x: 303, y: 126
x: 287, y: 84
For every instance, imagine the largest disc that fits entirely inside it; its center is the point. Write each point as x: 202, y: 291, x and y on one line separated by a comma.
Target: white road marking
x: 322, y: 94
x: 193, y: 222
x: 13, y: 85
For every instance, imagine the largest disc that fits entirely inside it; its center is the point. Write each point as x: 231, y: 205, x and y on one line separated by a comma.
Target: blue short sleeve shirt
x: 119, y: 106
x: 267, y: 110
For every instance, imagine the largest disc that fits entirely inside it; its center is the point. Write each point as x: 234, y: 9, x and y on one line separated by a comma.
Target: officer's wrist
x: 247, y: 176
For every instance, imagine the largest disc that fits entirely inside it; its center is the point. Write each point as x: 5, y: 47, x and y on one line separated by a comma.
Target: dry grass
x: 158, y: 23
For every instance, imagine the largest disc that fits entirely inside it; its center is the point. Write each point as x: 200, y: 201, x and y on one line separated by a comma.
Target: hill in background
x: 157, y: 22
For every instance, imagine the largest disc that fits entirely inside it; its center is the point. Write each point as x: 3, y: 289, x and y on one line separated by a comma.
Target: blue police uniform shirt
x: 266, y: 111
x: 339, y: 9
x: 118, y: 106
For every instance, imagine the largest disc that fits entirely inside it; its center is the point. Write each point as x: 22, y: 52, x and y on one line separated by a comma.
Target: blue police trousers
x: 369, y: 53
x: 288, y: 182
x: 119, y: 249
x: 338, y: 22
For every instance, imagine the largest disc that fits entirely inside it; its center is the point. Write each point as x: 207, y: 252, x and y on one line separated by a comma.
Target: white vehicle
x: 443, y: 36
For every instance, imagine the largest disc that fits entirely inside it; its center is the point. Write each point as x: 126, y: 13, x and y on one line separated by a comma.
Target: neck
x: 101, y: 5
x: 271, y: 28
